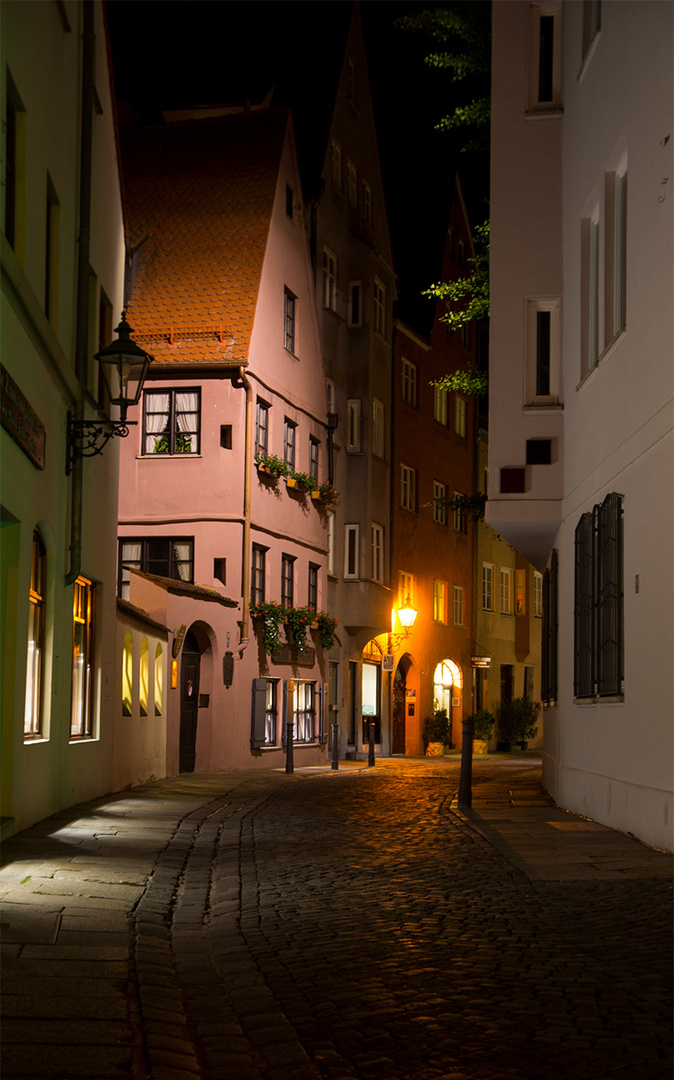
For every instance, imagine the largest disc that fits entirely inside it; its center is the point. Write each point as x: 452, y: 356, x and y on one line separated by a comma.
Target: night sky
x: 175, y: 53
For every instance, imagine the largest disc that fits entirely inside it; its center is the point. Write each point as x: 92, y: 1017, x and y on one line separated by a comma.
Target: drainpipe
x: 82, y: 301
x: 247, y: 484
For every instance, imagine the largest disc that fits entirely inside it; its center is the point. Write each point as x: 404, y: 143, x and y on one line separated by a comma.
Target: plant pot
x: 291, y: 482
x: 435, y: 749
x: 524, y: 744
x: 480, y: 746
x: 316, y: 496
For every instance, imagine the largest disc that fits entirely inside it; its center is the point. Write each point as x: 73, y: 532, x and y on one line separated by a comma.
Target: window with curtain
x: 82, y: 701
x: 144, y: 676
x: 171, y: 557
x: 36, y: 634
x: 171, y: 421
x: 127, y: 674
x: 158, y: 680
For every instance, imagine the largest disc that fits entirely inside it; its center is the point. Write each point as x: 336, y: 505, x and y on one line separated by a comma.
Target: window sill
x: 35, y: 740
x: 604, y: 699
x: 167, y: 457
x: 552, y: 113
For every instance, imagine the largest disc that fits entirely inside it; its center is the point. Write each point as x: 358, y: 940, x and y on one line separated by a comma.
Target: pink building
x: 223, y: 300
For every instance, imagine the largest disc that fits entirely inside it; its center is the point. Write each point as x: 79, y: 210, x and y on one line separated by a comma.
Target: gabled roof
x: 198, y: 197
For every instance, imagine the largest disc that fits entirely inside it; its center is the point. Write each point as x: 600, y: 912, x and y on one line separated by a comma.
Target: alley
x: 351, y: 924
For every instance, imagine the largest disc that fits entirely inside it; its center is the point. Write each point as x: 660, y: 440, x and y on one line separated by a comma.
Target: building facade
x: 62, y: 275
x: 581, y: 373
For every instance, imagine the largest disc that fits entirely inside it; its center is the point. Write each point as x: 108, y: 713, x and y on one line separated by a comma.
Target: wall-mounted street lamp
x: 124, y: 366
x: 405, y: 616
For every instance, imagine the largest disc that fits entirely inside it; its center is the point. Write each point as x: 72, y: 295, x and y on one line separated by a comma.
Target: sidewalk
x: 86, y: 942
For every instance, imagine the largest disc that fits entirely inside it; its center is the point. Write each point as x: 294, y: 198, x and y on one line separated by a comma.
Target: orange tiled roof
x: 201, y: 192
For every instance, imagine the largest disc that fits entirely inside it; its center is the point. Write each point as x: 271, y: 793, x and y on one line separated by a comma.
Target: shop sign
x: 21, y: 421
x: 480, y: 661
x: 179, y: 638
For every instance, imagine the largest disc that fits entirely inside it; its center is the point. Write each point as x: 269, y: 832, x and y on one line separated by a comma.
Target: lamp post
x: 124, y: 366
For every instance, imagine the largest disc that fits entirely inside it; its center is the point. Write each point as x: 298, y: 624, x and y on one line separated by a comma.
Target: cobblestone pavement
x: 335, y: 925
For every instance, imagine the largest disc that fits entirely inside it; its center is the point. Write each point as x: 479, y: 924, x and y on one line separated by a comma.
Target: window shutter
x: 321, y: 712
x: 584, y: 607
x: 259, y: 711
x: 284, y: 713
x: 609, y: 596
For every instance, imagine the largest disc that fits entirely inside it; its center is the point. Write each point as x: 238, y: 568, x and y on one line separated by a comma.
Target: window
x: 312, y: 587
x: 353, y: 430
x: 549, y: 631
x: 409, y: 383
x: 378, y: 441
x: 407, y: 588
x: 329, y: 279
x: 51, y: 283
x: 331, y: 544
x: 377, y: 553
x: 487, y: 586
x: 379, y: 308
x: 440, y: 397
x: 467, y: 335
x: 460, y: 416
x: 539, y: 451
x: 330, y: 395
x: 545, y: 58
x: 158, y: 680
x: 289, y: 320
x: 127, y: 675
x: 458, y: 605
x: 82, y: 701
x: 258, y: 575
x: 460, y: 517
x: 351, y: 551
x: 15, y: 167
x: 543, y: 382
x: 164, y: 556
x: 520, y: 592
x: 439, y: 505
x: 37, y: 598
x: 289, y: 201
x: 351, y: 183
x: 408, y: 488
x: 289, y: 433
x: 439, y: 601
x: 220, y: 569
x: 506, y: 591
x: 355, y: 307
x: 262, y: 427
x: 144, y: 677
x: 366, y: 205
x: 171, y: 421
x: 616, y: 252
x: 288, y: 580
x: 538, y: 595
x: 304, y: 711
x: 589, y: 312
x: 598, y: 596
x: 313, y: 456
x: 95, y: 379
x: 336, y: 158
x: 265, y: 713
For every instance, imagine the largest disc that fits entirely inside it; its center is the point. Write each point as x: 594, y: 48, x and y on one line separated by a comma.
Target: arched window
x: 127, y: 674
x: 144, y: 676
x: 32, y: 724
x: 446, y: 679
x: 158, y: 681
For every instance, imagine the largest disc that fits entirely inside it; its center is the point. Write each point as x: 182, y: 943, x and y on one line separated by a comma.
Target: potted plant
x: 301, y: 481
x: 270, y: 464
x: 518, y: 721
x: 326, y: 494
x: 326, y: 630
x: 270, y: 615
x: 483, y: 723
x: 299, y: 619
x: 437, y: 733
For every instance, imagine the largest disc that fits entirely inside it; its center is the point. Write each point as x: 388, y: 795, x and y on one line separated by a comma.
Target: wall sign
x: 288, y: 654
x: 179, y: 638
x: 480, y: 661
x: 21, y: 421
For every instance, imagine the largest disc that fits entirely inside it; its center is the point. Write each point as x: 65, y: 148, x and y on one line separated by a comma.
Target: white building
x: 581, y: 383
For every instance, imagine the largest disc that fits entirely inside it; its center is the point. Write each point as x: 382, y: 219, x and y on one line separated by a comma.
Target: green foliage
x: 271, y: 615
x: 483, y: 724
x: 305, y: 481
x: 472, y: 505
x: 518, y: 719
x: 326, y: 629
x: 328, y: 494
x: 269, y: 463
x: 467, y: 298
x: 299, y: 619
x: 437, y: 728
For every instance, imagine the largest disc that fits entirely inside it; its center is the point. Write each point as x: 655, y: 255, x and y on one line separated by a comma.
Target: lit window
x: 377, y: 553
x: 127, y: 675
x: 144, y: 677
x: 171, y: 421
x: 378, y: 441
x: 408, y: 493
x: 440, y: 397
x: 506, y: 591
x: 158, y: 680
x: 460, y: 416
x: 520, y: 592
x: 37, y: 597
x: 82, y: 701
x: 487, y: 586
x: 458, y: 605
x: 439, y: 504
x: 379, y: 307
x: 289, y: 320
x: 439, y: 601
x: 353, y: 425
x: 409, y: 382
x: 164, y: 556
x: 329, y: 279
x: 407, y: 588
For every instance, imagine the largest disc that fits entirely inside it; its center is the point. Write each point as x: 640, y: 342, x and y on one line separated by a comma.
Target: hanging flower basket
x: 271, y: 615
x: 326, y: 630
x: 299, y: 620
x: 326, y: 495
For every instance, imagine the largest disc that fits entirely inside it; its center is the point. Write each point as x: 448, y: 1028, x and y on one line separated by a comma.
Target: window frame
x: 506, y: 591
x: 545, y: 70
x: 378, y: 553
x: 329, y: 279
x: 439, y: 601
x: 288, y: 579
x: 82, y: 683
x: 258, y: 574
x: 174, y: 434
x: 262, y: 410
x: 35, y: 657
x: 378, y: 428
x: 352, y: 552
x: 458, y: 612
x: 488, y: 586
x: 441, y: 406
x: 379, y: 307
x: 615, y: 248
x: 354, y: 312
x: 543, y: 386
x: 439, y: 508
x: 409, y: 381
x: 353, y: 426
x: 289, y: 321
x: 289, y: 442
x: 408, y: 488
x: 144, y: 562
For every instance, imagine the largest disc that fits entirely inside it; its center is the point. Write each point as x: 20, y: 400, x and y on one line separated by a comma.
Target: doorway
x: 189, y: 702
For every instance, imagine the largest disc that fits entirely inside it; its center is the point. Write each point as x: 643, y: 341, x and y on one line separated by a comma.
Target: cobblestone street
x: 349, y: 924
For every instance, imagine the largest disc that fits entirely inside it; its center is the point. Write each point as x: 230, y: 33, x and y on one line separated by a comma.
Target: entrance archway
x: 447, y: 688
x: 401, y: 706
x: 189, y: 702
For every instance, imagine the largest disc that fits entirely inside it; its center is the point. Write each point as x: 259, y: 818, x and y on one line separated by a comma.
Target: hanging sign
x: 388, y: 662
x: 480, y: 661
x: 179, y: 638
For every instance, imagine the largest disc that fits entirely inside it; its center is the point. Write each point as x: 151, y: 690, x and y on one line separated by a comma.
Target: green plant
x: 483, y: 722
x: 271, y: 615
x: 299, y: 619
x: 305, y: 481
x: 328, y: 494
x: 326, y: 629
x: 437, y: 728
x: 518, y: 719
x: 271, y: 464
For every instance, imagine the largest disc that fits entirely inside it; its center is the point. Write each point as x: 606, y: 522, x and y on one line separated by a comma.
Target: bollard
x: 370, y: 740
x: 335, y: 745
x: 465, y: 799
x: 290, y: 765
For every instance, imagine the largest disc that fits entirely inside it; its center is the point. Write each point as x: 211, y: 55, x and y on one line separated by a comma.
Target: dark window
x: 10, y: 167
x: 550, y: 631
x: 545, y: 57
x: 289, y: 201
x: 543, y: 328
x: 539, y: 451
x: 313, y: 457
x: 289, y: 432
x: 287, y: 580
x: 51, y: 252
x: 171, y: 421
x: 36, y: 638
x: 226, y: 436
x: 598, y: 609
x: 262, y: 427
x: 313, y: 587
x: 258, y: 575
x: 171, y: 557
x: 289, y: 321
x: 513, y: 481
x: 220, y: 570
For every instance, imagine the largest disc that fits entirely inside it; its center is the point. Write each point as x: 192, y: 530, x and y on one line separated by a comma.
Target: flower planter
x: 316, y: 496
x: 480, y: 746
x: 291, y: 482
x: 435, y: 749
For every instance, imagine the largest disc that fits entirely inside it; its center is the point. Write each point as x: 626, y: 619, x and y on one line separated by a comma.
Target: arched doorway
x: 189, y: 702
x: 447, y: 687
x: 402, y: 707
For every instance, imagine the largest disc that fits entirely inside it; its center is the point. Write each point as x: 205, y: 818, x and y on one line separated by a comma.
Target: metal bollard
x: 370, y: 740
x: 290, y: 765
x: 465, y: 799
x: 335, y: 745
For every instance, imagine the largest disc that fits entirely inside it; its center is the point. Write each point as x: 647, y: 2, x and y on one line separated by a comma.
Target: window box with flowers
x: 301, y: 482
x: 270, y: 615
x: 325, y: 494
x: 326, y: 626
x: 270, y: 465
x: 299, y: 619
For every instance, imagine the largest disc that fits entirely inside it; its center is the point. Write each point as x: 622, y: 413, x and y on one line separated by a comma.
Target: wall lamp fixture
x: 405, y: 616
x: 124, y: 366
